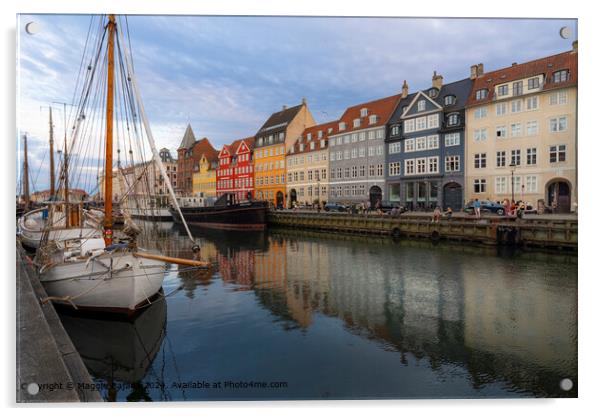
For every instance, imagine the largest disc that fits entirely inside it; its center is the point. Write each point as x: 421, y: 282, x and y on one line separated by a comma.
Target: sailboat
x: 105, y: 273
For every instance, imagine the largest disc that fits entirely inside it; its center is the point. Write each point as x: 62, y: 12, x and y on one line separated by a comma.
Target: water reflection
x: 119, y: 352
x: 458, y: 320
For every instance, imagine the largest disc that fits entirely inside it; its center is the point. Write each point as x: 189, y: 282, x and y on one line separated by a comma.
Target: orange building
x: 272, y: 140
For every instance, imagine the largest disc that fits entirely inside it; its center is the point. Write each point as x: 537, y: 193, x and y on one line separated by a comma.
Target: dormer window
x: 342, y: 125
x: 329, y: 130
x: 356, y: 122
x: 449, y: 100
x: 320, y: 134
x: 560, y: 76
x: 482, y: 94
x: 403, y: 109
x: 453, y: 120
x: 308, y: 136
x: 421, y: 105
x: 372, y: 119
x: 363, y: 112
x: 433, y: 92
x: 394, y: 130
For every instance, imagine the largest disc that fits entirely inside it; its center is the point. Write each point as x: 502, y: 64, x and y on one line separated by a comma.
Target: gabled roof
x: 278, y: 121
x: 232, y: 148
x: 314, y: 137
x: 382, y: 108
x: 204, y: 146
x: 249, y: 142
x: 416, y: 96
x: 546, y: 66
x: 188, y: 139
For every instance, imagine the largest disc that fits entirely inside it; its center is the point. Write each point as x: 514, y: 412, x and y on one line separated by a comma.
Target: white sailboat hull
x: 113, y: 282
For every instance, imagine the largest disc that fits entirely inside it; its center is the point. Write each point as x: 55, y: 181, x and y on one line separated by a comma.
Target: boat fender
x: 196, y: 248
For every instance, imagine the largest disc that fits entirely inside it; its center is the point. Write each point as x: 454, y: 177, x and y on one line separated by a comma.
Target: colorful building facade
x: 307, y: 166
x: 272, y: 140
x: 189, y: 155
x: 522, y: 127
x: 234, y: 173
x: 204, y: 177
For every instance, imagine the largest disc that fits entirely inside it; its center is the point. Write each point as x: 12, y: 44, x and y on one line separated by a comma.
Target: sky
x: 226, y: 75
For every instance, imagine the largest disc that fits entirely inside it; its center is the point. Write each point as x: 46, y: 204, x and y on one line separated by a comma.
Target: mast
x: 51, y: 140
x: 108, y: 220
x: 25, y: 174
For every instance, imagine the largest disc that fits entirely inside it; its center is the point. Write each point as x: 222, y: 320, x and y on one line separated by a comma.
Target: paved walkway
x: 46, y: 356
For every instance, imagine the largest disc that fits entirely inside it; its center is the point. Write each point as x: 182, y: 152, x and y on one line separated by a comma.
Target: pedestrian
x: 448, y: 213
x: 436, y: 214
x: 477, y: 208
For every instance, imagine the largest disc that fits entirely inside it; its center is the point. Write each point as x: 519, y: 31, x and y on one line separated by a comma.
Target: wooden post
x: 108, y: 220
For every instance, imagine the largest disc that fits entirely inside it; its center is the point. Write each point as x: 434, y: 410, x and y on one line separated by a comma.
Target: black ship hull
x: 249, y: 216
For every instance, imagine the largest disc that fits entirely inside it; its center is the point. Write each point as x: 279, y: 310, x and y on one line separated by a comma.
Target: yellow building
x: 276, y: 135
x: 521, y: 133
x: 204, y: 177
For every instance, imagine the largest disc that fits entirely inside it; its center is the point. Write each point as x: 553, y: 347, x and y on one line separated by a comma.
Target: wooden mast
x: 108, y: 220
x: 25, y: 178
x: 51, y: 140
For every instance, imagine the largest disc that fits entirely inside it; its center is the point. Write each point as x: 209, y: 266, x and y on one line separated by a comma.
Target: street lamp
x: 512, y: 166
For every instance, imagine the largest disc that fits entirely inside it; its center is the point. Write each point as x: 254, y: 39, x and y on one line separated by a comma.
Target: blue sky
x: 226, y: 75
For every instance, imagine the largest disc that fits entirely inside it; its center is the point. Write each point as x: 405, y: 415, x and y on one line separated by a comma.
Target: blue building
x: 425, y: 147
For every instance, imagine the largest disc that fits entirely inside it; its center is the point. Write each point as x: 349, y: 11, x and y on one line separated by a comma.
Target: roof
x: 233, y: 147
x: 546, y: 66
x: 382, y: 108
x: 188, y: 139
x: 460, y: 89
x: 205, y: 147
x: 278, y: 121
x: 295, y: 149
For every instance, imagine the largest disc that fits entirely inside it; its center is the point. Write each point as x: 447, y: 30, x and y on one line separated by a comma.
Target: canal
x: 287, y: 314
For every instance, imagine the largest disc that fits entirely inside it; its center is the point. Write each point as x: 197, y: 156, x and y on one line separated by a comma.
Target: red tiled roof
x: 233, y: 147
x: 205, y: 147
x: 314, y: 137
x: 382, y: 108
x: 546, y: 66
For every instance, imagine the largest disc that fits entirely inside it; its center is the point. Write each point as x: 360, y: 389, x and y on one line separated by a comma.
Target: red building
x: 235, y: 169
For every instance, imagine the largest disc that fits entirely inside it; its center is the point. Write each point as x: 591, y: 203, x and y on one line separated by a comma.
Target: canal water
x: 288, y: 314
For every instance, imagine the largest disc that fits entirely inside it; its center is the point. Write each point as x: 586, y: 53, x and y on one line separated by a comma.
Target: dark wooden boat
x: 227, y: 213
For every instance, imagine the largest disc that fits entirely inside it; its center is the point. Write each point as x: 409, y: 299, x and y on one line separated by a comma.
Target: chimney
x: 283, y: 107
x: 437, y: 80
x: 514, y: 64
x: 574, y: 47
x: 473, y: 71
x: 480, y: 70
x: 404, y: 89
x: 303, y: 101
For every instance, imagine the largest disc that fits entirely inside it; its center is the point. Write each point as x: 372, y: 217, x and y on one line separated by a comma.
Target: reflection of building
x: 522, y: 127
x: 357, y: 152
x: 237, y: 266
x: 189, y: 155
x: 272, y: 140
x: 307, y: 165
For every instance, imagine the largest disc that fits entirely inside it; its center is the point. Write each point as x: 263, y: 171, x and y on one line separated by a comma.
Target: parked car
x: 486, y: 206
x: 387, y: 208
x: 335, y: 206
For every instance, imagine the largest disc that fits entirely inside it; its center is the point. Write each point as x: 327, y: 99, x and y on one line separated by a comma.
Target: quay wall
x: 535, y: 231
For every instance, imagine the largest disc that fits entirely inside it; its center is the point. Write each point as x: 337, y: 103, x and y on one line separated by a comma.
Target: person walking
x: 436, y: 214
x: 477, y: 208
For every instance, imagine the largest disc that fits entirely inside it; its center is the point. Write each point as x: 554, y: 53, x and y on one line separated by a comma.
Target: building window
x: 480, y: 160
x: 501, y: 159
x: 370, y: 151
x: 433, y: 121
x: 480, y: 112
x: 560, y: 76
x: 372, y: 119
x: 502, y: 90
x: 371, y: 135
x: 394, y: 148
x: 420, y: 123
x: 515, y: 129
x: 332, y: 156
x: 342, y: 126
x: 500, y: 185
x: 394, y: 169
x: 452, y: 163
x: 516, y: 106
x: 409, y: 167
x: 363, y: 112
x: 354, y: 138
x: 394, y: 130
x: 433, y: 164
x: 481, y: 94
x: 558, y: 98
x: 354, y: 153
x: 533, y: 83
x: 346, y: 154
x: 420, y: 143
x: 432, y: 142
x: 531, y: 184
x: 558, y: 124
x: 421, y: 105
x: 356, y: 122
x: 480, y: 186
x: 452, y: 139
x: 517, y: 88
x: 449, y: 100
x: 362, y: 152
x: 557, y: 153
x: 354, y: 171
x: 532, y: 103
x: 515, y: 157
x: 410, y: 145
x: 362, y: 171
x: 409, y: 126
x: 500, y: 132
x: 453, y: 120
x: 480, y: 135
x: 421, y: 165
x: 532, y: 128
x: 371, y: 170
x: 501, y: 109
x: 532, y: 156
